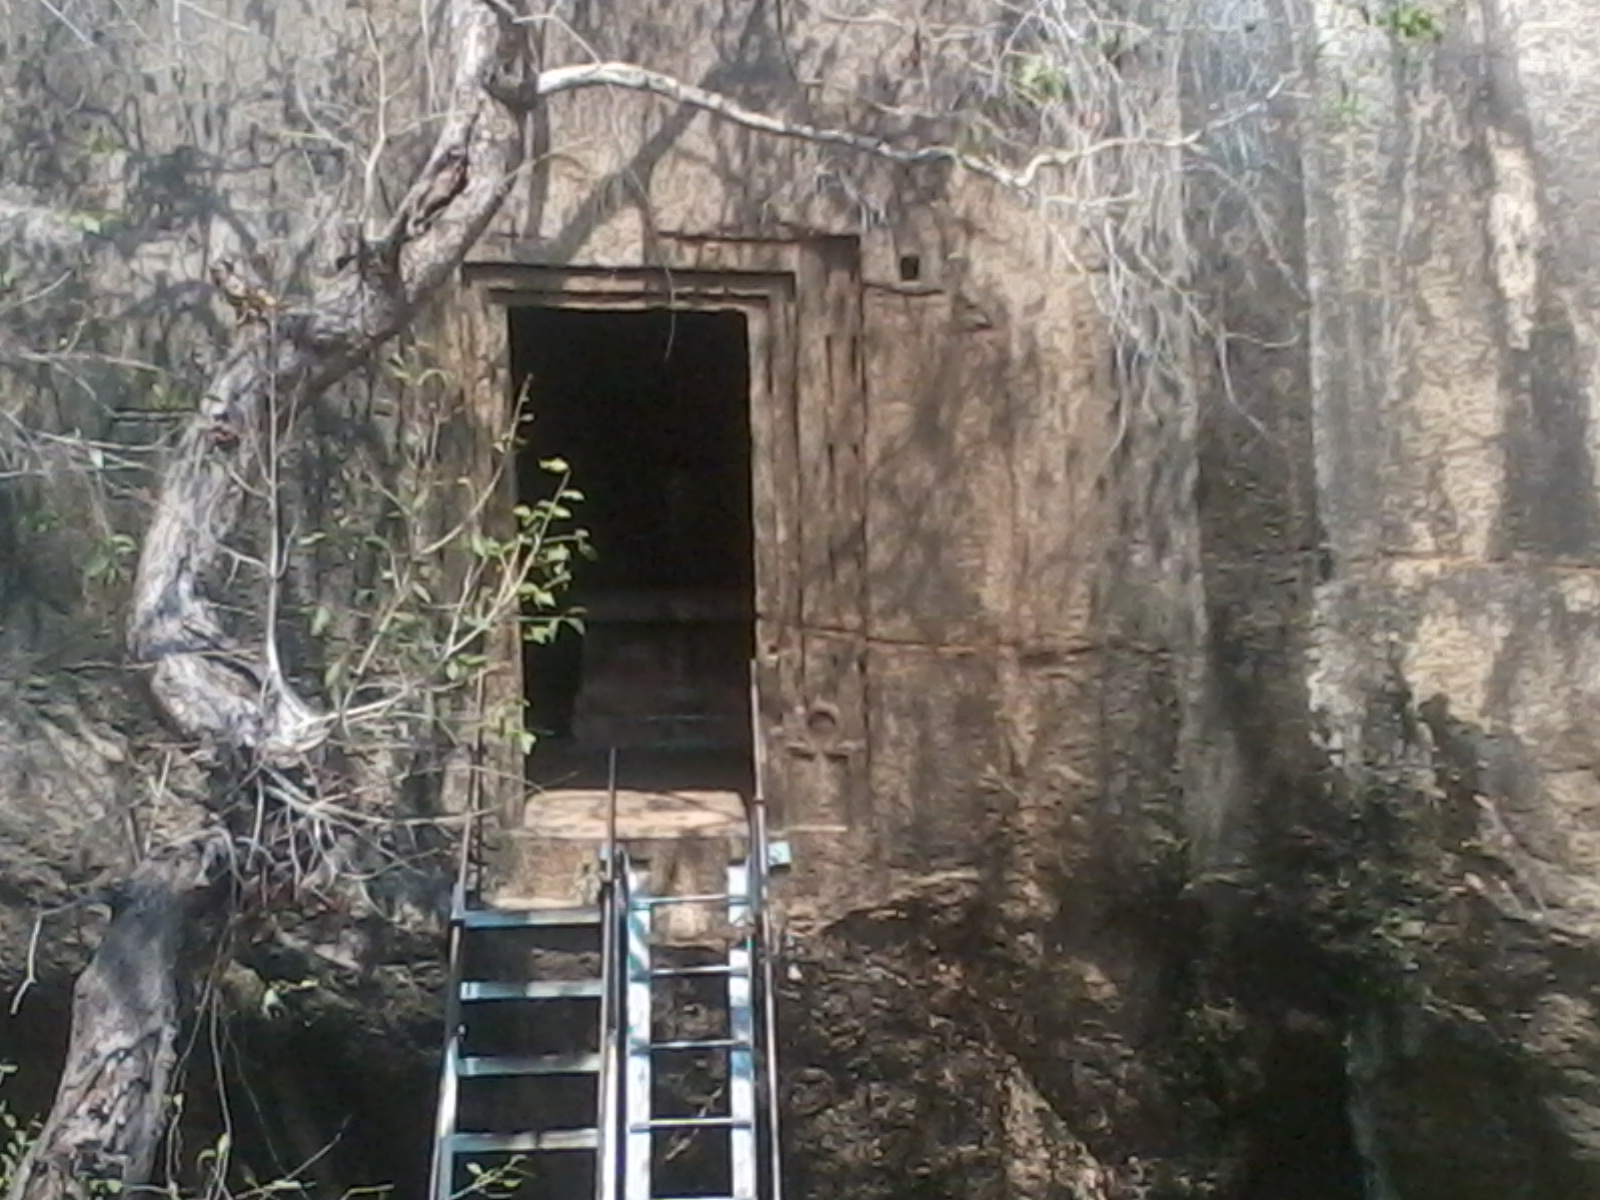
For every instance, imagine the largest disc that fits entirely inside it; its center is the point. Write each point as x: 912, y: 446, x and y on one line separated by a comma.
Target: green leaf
x: 556, y: 466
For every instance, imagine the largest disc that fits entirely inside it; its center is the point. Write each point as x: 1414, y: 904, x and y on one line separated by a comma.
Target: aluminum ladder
x: 463, y: 1155
x: 636, y: 985
x: 747, y: 1129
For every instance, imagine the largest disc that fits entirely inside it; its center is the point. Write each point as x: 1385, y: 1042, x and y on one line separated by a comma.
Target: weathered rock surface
x: 1452, y: 627
x: 1228, y: 826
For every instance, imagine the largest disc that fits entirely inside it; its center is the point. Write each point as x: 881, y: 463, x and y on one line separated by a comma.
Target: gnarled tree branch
x: 207, y: 685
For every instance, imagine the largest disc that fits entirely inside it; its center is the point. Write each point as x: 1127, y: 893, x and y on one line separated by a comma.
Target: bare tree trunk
x: 111, y: 1105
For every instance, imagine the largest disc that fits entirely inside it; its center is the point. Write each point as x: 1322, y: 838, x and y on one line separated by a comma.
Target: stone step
x: 681, y: 815
x: 582, y: 813
x: 562, y: 873
x: 684, y: 840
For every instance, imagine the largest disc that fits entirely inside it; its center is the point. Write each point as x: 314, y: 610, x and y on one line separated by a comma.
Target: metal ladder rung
x: 709, y: 969
x: 693, y: 1123
x: 528, y: 918
x: 665, y: 901
x: 488, y: 1066
x: 525, y: 1143
x: 702, y: 1044
x: 548, y: 989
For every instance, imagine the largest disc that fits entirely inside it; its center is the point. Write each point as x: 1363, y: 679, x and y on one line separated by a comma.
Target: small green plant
x: 16, y: 1135
x: 493, y: 1183
x: 1407, y: 21
x: 39, y: 522
x: 95, y: 224
x: 539, y: 533
x: 167, y: 396
x: 1037, y: 81
x: 110, y: 559
x: 1347, y: 108
x: 443, y: 580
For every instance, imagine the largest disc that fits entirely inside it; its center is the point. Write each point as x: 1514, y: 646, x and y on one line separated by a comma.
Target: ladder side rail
x: 443, y: 1185
x: 763, y: 982
x: 468, y: 886
x: 743, y: 1057
x: 765, y: 987
x: 638, y: 1019
x: 613, y: 1001
x: 612, y: 997
x: 614, y: 906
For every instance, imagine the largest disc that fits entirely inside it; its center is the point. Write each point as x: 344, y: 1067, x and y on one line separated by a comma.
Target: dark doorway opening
x: 651, y: 408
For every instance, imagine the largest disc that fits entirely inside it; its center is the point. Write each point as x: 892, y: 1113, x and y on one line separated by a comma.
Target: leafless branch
x: 629, y: 77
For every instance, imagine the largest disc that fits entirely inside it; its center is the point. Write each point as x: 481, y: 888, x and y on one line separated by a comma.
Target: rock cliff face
x: 1450, y: 306
x: 1228, y: 824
